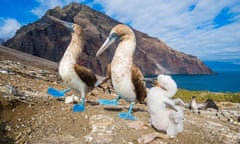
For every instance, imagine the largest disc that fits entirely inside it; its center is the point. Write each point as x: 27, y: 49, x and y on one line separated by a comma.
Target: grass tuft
x: 202, y: 96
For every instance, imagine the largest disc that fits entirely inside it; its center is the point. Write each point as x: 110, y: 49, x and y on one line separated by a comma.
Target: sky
x: 208, y: 29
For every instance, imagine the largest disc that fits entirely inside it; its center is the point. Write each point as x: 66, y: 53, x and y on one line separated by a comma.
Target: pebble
x: 8, y: 128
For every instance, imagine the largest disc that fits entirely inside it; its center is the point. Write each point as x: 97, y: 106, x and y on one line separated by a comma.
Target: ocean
x: 223, y: 81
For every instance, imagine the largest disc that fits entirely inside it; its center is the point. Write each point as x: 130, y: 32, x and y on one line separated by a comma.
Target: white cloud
x: 188, y: 31
x: 44, y: 5
x: 8, y: 27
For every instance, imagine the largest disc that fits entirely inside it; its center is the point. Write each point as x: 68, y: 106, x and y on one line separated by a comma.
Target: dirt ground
x: 29, y: 115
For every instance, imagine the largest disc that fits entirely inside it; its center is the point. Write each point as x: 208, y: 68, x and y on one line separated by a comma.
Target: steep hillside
x: 46, y: 39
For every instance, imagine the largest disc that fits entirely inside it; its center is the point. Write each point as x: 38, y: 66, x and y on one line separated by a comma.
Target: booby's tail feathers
x: 148, y: 79
x: 99, y: 82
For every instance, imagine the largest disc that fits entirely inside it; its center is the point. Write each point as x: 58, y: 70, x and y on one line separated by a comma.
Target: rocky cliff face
x: 46, y: 39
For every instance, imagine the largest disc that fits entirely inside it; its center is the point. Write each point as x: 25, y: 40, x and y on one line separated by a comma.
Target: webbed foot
x: 57, y: 93
x: 127, y: 116
x: 80, y: 107
x: 109, y: 102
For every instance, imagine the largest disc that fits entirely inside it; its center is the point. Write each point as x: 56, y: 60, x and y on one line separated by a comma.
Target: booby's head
x: 73, y: 28
x: 166, y: 83
x: 118, y: 33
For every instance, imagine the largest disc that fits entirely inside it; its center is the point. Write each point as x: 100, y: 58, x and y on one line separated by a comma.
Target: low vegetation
x: 201, y: 96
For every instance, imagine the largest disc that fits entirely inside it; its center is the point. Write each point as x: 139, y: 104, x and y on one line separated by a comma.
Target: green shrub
x: 202, y: 96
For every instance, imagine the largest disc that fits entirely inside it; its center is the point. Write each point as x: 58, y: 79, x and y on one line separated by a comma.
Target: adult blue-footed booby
x: 75, y: 76
x: 126, y: 78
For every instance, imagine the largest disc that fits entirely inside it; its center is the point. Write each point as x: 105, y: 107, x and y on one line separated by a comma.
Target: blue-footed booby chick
x: 75, y: 76
x: 164, y: 114
x: 127, y: 79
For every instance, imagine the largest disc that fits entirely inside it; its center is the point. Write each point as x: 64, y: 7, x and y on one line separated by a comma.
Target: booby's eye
x: 114, y: 36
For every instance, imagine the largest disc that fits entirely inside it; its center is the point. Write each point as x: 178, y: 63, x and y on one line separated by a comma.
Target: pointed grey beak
x: 110, y: 39
x: 68, y: 25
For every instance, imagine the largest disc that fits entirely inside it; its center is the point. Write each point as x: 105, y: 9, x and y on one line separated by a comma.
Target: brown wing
x: 85, y: 74
x: 109, y: 73
x: 109, y: 70
x: 139, y: 84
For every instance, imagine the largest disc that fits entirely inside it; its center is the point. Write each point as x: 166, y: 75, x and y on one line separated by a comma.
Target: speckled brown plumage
x: 139, y: 84
x: 86, y: 75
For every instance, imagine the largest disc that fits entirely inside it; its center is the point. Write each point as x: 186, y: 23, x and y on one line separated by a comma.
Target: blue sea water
x: 223, y: 81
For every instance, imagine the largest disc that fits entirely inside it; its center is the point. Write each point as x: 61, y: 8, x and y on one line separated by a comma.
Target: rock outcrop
x: 46, y: 39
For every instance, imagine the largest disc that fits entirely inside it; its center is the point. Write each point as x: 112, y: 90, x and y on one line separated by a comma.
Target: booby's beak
x: 155, y: 83
x: 113, y: 37
x: 68, y: 25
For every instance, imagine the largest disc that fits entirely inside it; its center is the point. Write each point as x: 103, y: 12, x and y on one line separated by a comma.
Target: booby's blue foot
x: 109, y: 102
x: 79, y: 107
x: 128, y: 115
x: 57, y: 93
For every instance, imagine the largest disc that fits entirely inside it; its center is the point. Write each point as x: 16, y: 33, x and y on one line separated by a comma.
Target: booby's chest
x: 66, y: 69
x: 122, y: 82
x: 121, y: 66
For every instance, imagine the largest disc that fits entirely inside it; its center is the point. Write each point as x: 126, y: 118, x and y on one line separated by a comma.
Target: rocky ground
x: 29, y: 115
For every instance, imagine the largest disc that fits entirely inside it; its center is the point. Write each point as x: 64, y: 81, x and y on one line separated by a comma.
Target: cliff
x: 46, y: 39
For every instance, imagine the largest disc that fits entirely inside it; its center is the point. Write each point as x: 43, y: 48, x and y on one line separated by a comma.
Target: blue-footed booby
x: 193, y: 105
x: 127, y: 79
x: 75, y: 76
x: 164, y: 114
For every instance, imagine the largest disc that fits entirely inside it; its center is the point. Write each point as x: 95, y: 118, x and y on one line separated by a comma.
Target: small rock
x: 72, y: 99
x: 8, y: 128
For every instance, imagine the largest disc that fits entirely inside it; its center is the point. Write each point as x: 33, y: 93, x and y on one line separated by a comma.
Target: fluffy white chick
x: 164, y: 114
